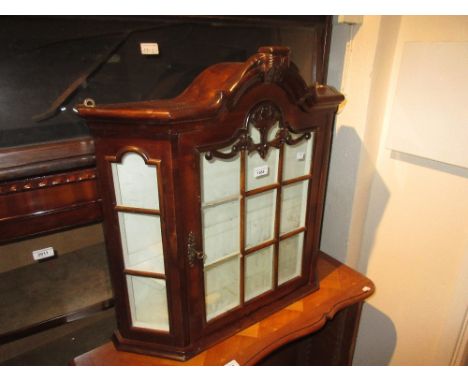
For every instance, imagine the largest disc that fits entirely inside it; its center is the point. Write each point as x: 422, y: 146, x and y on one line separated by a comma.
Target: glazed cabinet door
x: 254, y: 192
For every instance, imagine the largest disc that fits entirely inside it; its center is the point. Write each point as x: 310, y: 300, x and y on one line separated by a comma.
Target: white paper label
x: 300, y: 155
x: 232, y: 363
x: 149, y: 48
x: 260, y: 171
x: 44, y: 253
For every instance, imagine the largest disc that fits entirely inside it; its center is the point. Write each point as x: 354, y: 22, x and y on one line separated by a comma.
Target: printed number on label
x: 260, y: 171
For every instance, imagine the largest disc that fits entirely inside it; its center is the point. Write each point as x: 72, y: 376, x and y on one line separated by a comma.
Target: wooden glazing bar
x: 137, y: 210
x: 262, y: 189
x: 259, y: 247
x: 278, y: 218
x: 292, y: 233
x: 134, y: 272
x: 296, y: 180
x: 242, y: 226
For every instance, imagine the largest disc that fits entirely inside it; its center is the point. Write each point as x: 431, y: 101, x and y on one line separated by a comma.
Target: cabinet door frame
x: 228, y: 131
x: 153, y: 154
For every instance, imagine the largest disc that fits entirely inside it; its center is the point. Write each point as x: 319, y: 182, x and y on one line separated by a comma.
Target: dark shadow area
x: 342, y: 35
x: 332, y: 345
x: 68, y: 343
x: 346, y: 154
x: 378, y: 200
x: 378, y: 345
x: 348, y: 157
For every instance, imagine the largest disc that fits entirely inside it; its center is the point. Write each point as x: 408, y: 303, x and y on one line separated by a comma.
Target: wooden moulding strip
x: 137, y: 210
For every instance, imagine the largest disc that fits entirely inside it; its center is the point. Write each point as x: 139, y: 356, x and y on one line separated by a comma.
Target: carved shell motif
x: 263, y: 118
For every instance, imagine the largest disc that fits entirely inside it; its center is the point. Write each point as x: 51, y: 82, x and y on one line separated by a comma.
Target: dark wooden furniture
x: 213, y: 201
x: 319, y: 329
x: 47, y: 188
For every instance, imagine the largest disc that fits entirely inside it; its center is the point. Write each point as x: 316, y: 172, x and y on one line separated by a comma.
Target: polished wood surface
x: 47, y: 187
x: 46, y: 158
x: 46, y: 204
x: 341, y: 292
x: 219, y: 87
x: 213, y: 114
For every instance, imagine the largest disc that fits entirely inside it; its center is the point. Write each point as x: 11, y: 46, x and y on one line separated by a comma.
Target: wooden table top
x: 340, y: 287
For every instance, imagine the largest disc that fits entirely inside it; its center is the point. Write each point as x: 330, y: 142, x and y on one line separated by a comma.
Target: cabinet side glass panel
x: 148, y: 302
x: 141, y: 242
x: 135, y: 182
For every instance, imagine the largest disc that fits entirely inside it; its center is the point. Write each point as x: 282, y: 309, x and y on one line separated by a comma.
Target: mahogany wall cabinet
x: 213, y: 201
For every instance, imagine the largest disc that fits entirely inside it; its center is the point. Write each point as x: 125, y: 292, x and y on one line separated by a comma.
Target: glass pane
x: 148, y: 302
x: 135, y: 183
x: 219, y: 178
x: 258, y: 272
x: 254, y: 134
x: 297, y: 158
x: 260, y: 218
x: 221, y: 230
x: 290, y: 258
x: 222, y: 283
x: 261, y: 172
x: 141, y: 242
x: 293, y: 206
x: 273, y: 131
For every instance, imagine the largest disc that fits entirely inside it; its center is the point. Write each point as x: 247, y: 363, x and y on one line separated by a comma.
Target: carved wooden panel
x: 47, y: 204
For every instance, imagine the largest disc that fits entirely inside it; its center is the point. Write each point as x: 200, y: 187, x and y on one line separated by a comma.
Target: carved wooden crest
x: 263, y: 117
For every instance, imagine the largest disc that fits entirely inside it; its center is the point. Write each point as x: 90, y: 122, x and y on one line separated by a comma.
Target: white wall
x: 400, y: 219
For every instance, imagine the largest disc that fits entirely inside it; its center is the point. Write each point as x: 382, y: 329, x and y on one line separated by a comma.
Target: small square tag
x: 149, y: 48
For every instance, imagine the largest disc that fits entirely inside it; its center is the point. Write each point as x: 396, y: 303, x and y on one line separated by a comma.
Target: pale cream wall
x: 401, y: 220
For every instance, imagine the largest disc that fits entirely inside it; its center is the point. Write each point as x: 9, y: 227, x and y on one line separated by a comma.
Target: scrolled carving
x: 284, y: 136
x: 263, y: 118
x: 244, y: 142
x: 47, y: 181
